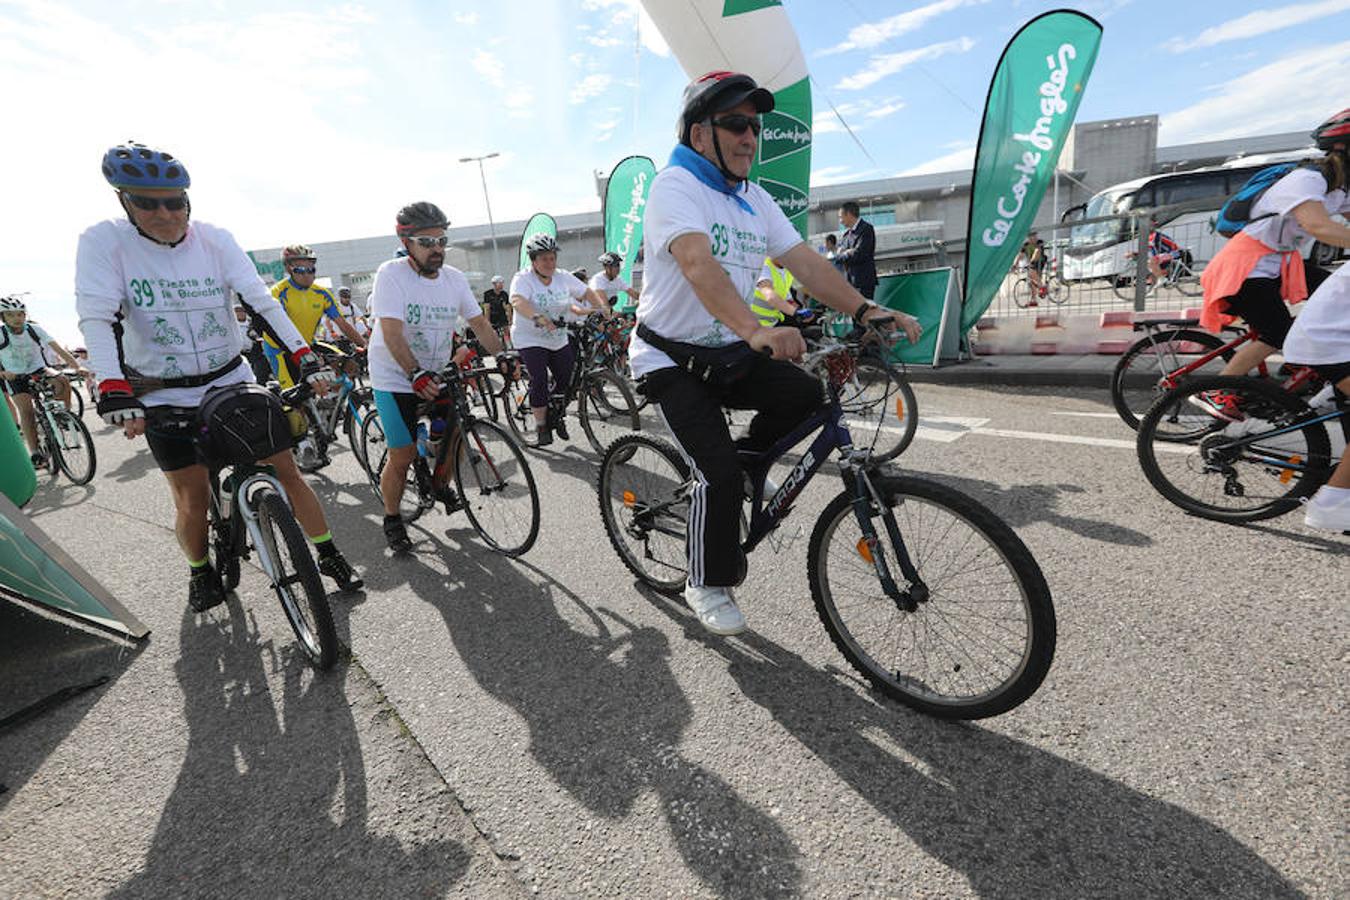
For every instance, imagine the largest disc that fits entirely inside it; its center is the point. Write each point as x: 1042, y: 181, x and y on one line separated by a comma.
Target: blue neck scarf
x: 685, y: 157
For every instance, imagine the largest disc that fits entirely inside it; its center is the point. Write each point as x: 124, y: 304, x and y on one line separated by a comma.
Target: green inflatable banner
x: 540, y: 223
x: 18, y: 480
x: 783, y: 166
x: 1032, y: 102
x: 625, y: 203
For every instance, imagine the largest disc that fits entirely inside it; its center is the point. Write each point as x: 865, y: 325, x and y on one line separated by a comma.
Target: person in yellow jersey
x: 306, y: 305
x: 771, y: 304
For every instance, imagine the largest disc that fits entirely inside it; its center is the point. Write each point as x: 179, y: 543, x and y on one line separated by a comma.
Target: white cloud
x: 1292, y: 93
x: 651, y: 38
x: 592, y: 85
x: 490, y: 67
x: 872, y: 34
x: 857, y: 113
x: 886, y: 64
x: 888, y: 108
x: 603, y: 40
x: 838, y: 175
x: 469, y: 18
x: 1259, y: 22
x: 962, y: 157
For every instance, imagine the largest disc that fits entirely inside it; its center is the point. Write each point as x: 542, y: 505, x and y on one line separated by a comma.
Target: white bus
x: 1101, y: 249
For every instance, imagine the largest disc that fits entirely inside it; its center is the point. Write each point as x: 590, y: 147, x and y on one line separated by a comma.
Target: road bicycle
x: 344, y: 408
x: 493, y: 483
x: 250, y: 513
x: 604, y: 402
x: 1179, y: 275
x: 927, y: 593
x: 1173, y: 351
x: 63, y: 440
x: 1279, y: 451
x: 879, y: 405
x: 1052, y: 287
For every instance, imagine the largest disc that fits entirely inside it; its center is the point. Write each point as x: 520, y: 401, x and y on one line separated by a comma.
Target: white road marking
x: 1088, y: 415
x: 1158, y: 447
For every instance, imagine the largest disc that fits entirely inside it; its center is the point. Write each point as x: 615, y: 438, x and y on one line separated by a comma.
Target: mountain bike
x: 1180, y: 275
x: 605, y: 404
x: 879, y: 406
x: 250, y: 513
x: 62, y: 438
x: 928, y: 594
x: 1259, y: 467
x: 493, y: 483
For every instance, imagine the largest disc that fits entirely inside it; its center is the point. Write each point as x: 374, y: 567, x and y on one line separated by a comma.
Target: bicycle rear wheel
x: 1215, y: 475
x: 360, y: 406
x: 49, y: 443
x: 1136, y: 383
x: 479, y: 392
x: 76, y: 457
x: 982, y: 640
x: 644, y: 505
x: 375, y: 454
x: 1021, y: 292
x: 297, y: 580
x: 76, y: 400
x: 880, y: 409
x: 497, y: 487
x: 1186, y: 280
x: 607, y: 408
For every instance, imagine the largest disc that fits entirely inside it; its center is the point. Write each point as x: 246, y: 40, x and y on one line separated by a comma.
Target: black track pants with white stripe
x: 783, y: 395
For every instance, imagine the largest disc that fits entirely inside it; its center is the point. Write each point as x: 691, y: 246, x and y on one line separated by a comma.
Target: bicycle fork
x: 865, y: 497
x: 267, y: 559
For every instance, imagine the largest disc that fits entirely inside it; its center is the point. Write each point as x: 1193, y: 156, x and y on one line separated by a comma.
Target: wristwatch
x: 862, y: 311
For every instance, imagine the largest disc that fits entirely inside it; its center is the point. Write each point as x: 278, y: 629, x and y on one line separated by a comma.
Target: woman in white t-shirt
x: 541, y: 294
x: 1261, y: 267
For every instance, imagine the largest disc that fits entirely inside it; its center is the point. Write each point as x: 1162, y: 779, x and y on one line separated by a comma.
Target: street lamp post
x: 492, y: 227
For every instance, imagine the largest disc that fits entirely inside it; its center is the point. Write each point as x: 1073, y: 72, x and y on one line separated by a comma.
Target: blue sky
x: 316, y: 121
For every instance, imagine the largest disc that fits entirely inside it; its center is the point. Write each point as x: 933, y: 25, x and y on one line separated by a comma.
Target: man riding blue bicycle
x: 698, y: 346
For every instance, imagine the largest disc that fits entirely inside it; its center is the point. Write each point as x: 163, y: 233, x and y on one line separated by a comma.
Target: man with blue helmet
x: 155, y: 296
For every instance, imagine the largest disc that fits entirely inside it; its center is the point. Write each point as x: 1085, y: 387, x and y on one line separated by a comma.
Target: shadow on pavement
x: 271, y: 799
x: 606, y: 716
x: 1013, y: 819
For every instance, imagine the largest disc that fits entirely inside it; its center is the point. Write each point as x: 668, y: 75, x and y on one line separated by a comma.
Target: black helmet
x: 715, y: 92
x: 416, y: 216
x: 1335, y: 130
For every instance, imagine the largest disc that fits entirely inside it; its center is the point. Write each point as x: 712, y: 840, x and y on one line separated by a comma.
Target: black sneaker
x: 560, y: 426
x: 396, y: 535
x: 450, y: 497
x: 544, y: 438
x: 336, y: 567
x: 205, y: 589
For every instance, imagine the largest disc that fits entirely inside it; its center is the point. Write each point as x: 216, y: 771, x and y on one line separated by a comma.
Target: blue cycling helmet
x: 133, y: 165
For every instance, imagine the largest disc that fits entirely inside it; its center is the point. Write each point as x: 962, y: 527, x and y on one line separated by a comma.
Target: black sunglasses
x: 149, y: 204
x: 303, y: 270
x: 738, y: 122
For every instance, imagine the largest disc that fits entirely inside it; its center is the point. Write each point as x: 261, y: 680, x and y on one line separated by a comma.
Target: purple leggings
x: 539, y: 361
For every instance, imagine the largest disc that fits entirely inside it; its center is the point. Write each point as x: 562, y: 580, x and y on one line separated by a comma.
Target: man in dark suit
x: 857, y: 250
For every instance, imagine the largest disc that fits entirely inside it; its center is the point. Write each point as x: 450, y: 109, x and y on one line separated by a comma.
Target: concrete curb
x: 1032, y: 371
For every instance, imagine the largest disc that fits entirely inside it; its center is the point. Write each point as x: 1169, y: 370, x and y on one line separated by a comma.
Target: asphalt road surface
x: 1188, y: 741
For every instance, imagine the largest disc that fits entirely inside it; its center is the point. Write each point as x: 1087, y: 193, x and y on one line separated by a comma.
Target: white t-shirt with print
x: 607, y: 288
x: 431, y: 310
x: 176, y: 306
x: 553, y: 300
x: 680, y: 204
x: 22, y: 354
x: 1281, y: 231
x: 1321, y: 332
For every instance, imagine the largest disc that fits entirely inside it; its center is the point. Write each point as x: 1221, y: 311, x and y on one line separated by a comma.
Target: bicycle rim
x: 77, y: 456
x: 607, y: 409
x: 1137, y: 382
x: 516, y: 410
x: 644, y: 506
x: 297, y: 583
x: 497, y: 488
x: 984, y: 639
x: 50, y: 445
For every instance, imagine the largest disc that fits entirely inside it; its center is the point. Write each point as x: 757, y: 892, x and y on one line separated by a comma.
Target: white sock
x: 1327, y: 494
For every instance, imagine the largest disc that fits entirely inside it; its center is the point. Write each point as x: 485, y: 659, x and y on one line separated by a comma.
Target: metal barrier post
x: 1141, y: 262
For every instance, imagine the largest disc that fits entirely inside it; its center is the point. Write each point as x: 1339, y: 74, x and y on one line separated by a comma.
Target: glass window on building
x: 879, y: 215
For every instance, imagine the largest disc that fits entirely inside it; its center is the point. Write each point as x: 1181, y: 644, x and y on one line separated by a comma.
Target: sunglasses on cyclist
x: 425, y: 241
x: 303, y: 270
x: 149, y: 204
x: 738, y: 122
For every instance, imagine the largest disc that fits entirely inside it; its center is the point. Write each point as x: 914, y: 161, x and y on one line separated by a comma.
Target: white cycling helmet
x: 13, y: 304
x: 540, y: 243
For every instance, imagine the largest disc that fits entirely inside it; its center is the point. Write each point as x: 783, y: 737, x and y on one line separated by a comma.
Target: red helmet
x: 1335, y: 130
x: 715, y: 92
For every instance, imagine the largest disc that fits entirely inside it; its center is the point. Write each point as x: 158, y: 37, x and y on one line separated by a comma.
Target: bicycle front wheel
x: 360, y: 406
x: 982, y: 639
x: 515, y: 402
x: 375, y: 455
x: 644, y: 505
x: 1235, y: 471
x: 297, y: 580
x: 1021, y: 293
x: 1137, y: 382
x: 49, y: 443
x: 497, y: 487
x: 1187, y: 280
x: 76, y: 457
x: 880, y: 409
x: 607, y: 408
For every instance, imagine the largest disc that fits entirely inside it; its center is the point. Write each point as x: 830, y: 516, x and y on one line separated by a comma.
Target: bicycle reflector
x: 1288, y: 474
x: 865, y: 549
x: 629, y: 499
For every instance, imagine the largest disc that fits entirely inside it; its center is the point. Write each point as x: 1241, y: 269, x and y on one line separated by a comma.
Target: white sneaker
x: 715, y: 609
x: 1327, y: 515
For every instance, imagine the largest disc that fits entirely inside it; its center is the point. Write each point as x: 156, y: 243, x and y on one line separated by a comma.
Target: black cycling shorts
x: 171, y: 433
x: 1333, y: 373
x: 1260, y: 305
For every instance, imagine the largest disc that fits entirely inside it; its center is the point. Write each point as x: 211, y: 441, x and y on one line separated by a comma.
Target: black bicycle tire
x: 1302, y: 485
x: 221, y: 552
x: 1040, y: 649
x: 905, y: 392
x: 1123, y: 286
x: 48, y: 445
x: 1021, y: 292
x: 88, y: 440
x: 620, y: 451
x: 273, y: 511
x: 517, y: 412
x: 583, y: 408
x: 466, y: 431
x: 1143, y: 346
x: 363, y: 398
x: 1189, y: 283
x: 76, y: 400
x: 410, y: 513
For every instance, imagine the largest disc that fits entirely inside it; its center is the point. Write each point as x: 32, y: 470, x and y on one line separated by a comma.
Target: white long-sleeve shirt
x: 176, y: 306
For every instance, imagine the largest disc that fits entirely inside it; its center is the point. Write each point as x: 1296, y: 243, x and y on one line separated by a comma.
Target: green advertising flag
x: 272, y: 272
x: 1032, y: 102
x: 540, y: 223
x: 625, y: 203
x: 783, y: 166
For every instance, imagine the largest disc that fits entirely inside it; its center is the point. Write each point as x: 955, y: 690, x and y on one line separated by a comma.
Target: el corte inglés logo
x: 790, y: 200
x: 783, y: 134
